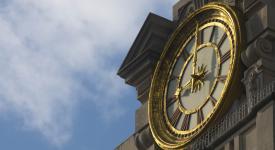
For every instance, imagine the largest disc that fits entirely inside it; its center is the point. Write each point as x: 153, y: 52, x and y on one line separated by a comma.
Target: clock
x: 197, y: 76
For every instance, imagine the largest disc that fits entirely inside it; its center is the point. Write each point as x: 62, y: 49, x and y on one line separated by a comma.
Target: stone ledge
x: 150, y: 39
x: 138, y: 66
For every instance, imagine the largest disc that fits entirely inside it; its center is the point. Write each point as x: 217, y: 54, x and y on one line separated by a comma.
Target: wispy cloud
x: 55, y: 52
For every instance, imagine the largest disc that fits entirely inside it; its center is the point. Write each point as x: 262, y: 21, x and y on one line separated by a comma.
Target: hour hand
x: 184, y: 87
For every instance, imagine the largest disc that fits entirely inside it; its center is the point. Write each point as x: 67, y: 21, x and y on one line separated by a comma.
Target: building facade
x: 249, y: 123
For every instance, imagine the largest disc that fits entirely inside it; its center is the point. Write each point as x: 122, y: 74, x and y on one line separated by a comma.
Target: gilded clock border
x: 190, y: 132
x: 166, y: 139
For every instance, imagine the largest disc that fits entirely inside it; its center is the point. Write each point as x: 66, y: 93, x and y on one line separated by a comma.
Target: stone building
x: 249, y: 124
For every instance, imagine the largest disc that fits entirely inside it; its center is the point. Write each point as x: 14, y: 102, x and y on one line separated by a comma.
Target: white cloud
x: 47, y: 46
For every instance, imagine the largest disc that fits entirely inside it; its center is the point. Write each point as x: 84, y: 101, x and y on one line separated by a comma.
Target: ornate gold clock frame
x: 215, y: 15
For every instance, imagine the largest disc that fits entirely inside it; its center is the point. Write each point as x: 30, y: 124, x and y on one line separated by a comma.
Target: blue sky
x: 58, y: 84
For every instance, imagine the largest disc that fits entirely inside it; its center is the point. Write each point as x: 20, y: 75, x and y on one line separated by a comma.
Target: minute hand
x: 194, y: 60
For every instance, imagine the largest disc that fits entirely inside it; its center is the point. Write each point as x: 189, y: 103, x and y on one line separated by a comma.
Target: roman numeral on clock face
x: 222, y: 40
x: 200, y: 116
x: 171, y: 100
x: 213, y: 100
x: 200, y: 37
x: 175, y: 117
x: 225, y: 57
x: 212, y: 33
x: 186, y: 122
x: 222, y: 78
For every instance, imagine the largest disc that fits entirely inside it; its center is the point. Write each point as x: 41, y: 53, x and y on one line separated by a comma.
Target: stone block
x: 257, y: 23
x: 129, y: 144
x: 152, y: 147
x: 143, y: 89
x: 143, y: 97
x: 178, y: 8
x: 141, y: 117
x: 144, y: 139
x: 265, y: 128
x: 249, y: 139
x: 231, y: 2
x: 260, y: 17
x: 237, y: 143
x: 248, y: 3
x: 231, y: 145
x: 227, y: 146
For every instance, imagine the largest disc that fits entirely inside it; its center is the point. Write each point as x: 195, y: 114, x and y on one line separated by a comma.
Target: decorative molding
x: 260, y: 48
x: 151, y: 37
x: 138, y: 66
x: 144, y: 139
x: 252, y: 81
x: 179, y: 7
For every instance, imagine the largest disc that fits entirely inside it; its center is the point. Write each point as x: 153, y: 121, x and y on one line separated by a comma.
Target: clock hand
x: 184, y: 87
x: 202, y: 72
x: 194, y: 61
x: 199, y: 77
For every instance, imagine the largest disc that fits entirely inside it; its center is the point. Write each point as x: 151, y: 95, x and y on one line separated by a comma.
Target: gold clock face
x: 198, y: 77
x: 197, y: 71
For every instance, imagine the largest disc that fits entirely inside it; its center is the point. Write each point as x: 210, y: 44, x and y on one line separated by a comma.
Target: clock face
x: 196, y: 77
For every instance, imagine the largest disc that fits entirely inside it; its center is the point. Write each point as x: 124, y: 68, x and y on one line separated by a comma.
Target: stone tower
x: 250, y: 122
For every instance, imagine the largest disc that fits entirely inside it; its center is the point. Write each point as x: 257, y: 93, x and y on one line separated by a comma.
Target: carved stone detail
x: 261, y: 54
x: 138, y: 66
x: 182, y: 8
x: 144, y: 139
x: 261, y: 48
x: 190, y: 8
x: 252, y: 81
